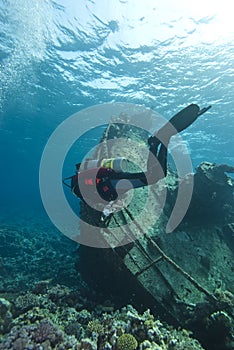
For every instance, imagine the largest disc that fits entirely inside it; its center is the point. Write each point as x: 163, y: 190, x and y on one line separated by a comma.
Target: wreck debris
x: 177, y: 272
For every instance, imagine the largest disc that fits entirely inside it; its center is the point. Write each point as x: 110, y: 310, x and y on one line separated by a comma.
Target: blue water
x: 59, y: 57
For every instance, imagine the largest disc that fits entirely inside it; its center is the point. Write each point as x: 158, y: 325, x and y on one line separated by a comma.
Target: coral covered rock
x: 127, y: 342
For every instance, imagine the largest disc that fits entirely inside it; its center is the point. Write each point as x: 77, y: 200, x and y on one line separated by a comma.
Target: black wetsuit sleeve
x: 133, y: 180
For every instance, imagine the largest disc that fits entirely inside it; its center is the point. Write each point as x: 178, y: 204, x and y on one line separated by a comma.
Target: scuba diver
x: 105, y: 182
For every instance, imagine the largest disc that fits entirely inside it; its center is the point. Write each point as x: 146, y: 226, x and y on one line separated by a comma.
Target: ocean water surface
x: 59, y: 57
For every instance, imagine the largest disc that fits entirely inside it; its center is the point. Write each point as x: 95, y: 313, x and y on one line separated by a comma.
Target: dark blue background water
x: 58, y: 57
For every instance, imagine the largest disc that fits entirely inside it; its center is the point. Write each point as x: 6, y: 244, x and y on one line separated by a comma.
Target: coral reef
x: 32, y: 252
x: 45, y: 314
x: 53, y: 324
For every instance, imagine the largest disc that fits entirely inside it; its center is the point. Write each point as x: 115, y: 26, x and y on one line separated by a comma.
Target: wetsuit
x: 106, y: 182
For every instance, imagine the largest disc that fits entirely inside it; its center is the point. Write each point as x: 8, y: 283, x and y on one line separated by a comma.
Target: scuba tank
x: 117, y: 164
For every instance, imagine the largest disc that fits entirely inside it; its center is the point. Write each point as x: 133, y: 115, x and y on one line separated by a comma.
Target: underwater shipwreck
x: 184, y: 275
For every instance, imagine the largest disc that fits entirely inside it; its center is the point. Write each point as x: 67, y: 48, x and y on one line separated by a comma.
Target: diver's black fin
x: 185, y: 117
x: 180, y: 122
x: 203, y: 110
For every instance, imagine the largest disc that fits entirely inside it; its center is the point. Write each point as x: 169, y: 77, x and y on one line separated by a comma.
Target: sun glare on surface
x: 193, y: 22
x: 216, y: 17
